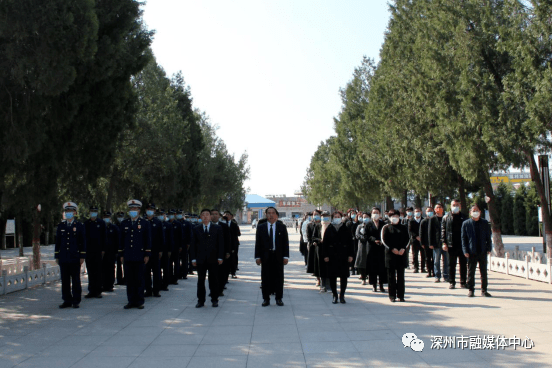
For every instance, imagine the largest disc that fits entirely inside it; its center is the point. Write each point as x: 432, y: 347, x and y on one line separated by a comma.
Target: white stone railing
x: 530, y: 267
x: 10, y: 282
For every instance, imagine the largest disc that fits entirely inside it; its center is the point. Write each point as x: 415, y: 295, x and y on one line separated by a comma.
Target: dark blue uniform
x: 165, y: 259
x: 120, y: 275
x: 70, y: 248
x: 134, y: 246
x: 174, y: 263
x: 154, y: 264
x: 96, y: 240
x: 109, y: 259
x: 187, y: 237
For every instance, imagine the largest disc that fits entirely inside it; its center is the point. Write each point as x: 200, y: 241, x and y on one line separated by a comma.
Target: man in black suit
x: 207, y: 252
x: 272, y: 253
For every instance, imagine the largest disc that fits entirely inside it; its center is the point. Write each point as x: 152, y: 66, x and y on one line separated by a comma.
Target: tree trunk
x: 20, y: 237
x: 405, y: 199
x: 535, y: 176
x: 36, y: 241
x: 418, y: 201
x: 431, y: 199
x: 462, y: 194
x: 495, y: 217
x: 389, y: 205
x: 111, y: 189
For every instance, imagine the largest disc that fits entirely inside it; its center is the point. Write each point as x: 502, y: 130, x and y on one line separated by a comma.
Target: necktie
x: 271, y: 237
x: 205, y: 229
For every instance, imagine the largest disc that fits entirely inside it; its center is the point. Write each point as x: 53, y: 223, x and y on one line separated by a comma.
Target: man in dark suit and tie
x: 207, y: 252
x: 272, y: 253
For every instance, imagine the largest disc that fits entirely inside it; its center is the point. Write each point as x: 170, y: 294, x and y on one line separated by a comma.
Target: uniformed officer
x: 235, y: 233
x: 178, y: 238
x: 135, y: 249
x: 120, y: 274
x: 195, y: 221
x: 96, y: 240
x: 157, y: 250
x: 69, y: 253
x: 167, y: 251
x: 111, y: 250
x: 187, y: 230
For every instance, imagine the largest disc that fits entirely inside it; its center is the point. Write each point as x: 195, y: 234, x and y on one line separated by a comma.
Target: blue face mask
x: 69, y: 215
x: 326, y: 219
x: 179, y: 217
x: 93, y: 214
x: 336, y: 221
x: 171, y: 217
x: 161, y: 218
x: 107, y: 220
x: 366, y: 220
x: 149, y: 212
x: 353, y: 217
x: 430, y: 214
x: 316, y: 218
x: 120, y: 219
x: 133, y: 214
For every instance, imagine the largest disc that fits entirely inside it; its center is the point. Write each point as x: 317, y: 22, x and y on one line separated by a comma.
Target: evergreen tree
x: 520, y: 227
x: 507, y: 214
x: 531, y: 211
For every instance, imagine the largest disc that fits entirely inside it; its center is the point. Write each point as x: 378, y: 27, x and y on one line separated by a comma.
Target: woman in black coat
x: 375, y: 263
x: 395, y: 237
x: 337, y: 252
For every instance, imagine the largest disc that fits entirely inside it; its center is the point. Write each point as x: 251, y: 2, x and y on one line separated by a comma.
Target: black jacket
x: 446, y: 230
x: 262, y: 242
x: 414, y: 231
x: 395, y: 237
x: 434, y: 230
x: 207, y: 247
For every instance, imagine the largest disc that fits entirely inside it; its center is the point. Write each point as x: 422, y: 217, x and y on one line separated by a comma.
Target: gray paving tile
x: 283, y: 361
x: 170, y: 351
x: 216, y: 362
x: 104, y: 362
x: 47, y: 362
x: 329, y: 347
x: 172, y: 362
x: 222, y: 350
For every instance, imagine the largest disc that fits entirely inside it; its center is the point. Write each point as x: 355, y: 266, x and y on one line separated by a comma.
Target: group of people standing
x: 377, y: 247
x: 147, y: 253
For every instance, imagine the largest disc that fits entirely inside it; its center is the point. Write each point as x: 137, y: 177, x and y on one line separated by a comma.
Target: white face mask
x: 417, y: 214
x: 375, y: 216
x: 394, y: 220
x: 476, y: 214
x: 455, y: 209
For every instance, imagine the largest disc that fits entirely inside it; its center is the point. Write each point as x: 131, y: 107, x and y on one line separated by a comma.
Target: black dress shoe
x: 200, y: 304
x: 402, y: 300
x: 392, y: 299
x: 342, y: 300
x: 429, y: 275
x: 266, y: 303
x: 215, y: 304
x: 452, y: 286
x: 98, y: 296
x: 484, y: 293
x: 157, y: 295
x: 64, y: 305
x: 89, y: 296
x: 464, y: 285
x: 234, y: 276
x: 221, y: 294
x: 416, y: 271
x: 375, y: 288
x: 470, y: 294
x: 108, y: 290
x: 76, y: 306
x: 334, y: 300
x: 140, y: 306
x: 128, y: 306
x: 382, y: 289
x: 279, y: 302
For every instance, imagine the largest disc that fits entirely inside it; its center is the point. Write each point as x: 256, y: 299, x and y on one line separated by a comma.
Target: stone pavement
x: 309, y: 331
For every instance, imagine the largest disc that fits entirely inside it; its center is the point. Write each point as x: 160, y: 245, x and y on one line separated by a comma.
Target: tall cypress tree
x: 520, y: 227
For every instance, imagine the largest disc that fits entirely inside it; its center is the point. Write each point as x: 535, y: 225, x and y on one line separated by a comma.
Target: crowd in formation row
x: 146, y: 253
x: 378, y: 248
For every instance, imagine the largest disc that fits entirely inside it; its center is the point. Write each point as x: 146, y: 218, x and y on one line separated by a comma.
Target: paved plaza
x: 309, y: 331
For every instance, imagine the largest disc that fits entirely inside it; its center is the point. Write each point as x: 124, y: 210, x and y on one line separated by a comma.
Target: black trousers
x: 202, y: 269
x: 418, y: 251
x: 272, y: 277
x: 183, y: 263
x: 233, y: 262
x: 134, y: 275
x: 108, y: 271
x: 71, y: 289
x: 174, y: 266
x: 374, y: 275
x: 396, y: 282
x: 223, y: 273
x: 94, y: 270
x: 429, y: 261
x: 153, y: 271
x: 480, y: 259
x: 120, y: 276
x: 342, y: 285
x: 165, y: 268
x: 456, y: 256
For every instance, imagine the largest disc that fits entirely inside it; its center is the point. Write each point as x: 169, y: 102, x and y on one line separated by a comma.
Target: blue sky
x: 268, y: 73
